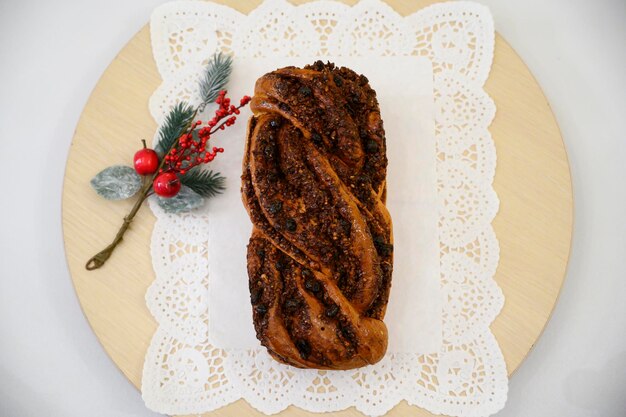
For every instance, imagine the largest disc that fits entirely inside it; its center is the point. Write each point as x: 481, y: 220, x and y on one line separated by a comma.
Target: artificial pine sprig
x: 215, y: 77
x: 182, y: 146
x: 175, y: 124
x: 205, y: 183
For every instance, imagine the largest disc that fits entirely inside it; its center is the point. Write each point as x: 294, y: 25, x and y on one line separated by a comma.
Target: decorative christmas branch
x: 215, y: 77
x: 181, y: 148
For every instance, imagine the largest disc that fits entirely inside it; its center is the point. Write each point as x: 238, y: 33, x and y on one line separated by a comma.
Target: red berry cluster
x: 190, y: 152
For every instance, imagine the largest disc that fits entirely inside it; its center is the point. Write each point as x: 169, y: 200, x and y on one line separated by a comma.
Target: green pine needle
x: 205, y: 183
x: 175, y: 124
x: 216, y: 77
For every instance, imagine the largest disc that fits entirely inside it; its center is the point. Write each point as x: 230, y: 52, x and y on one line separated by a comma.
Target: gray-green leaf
x: 186, y: 200
x: 117, y: 182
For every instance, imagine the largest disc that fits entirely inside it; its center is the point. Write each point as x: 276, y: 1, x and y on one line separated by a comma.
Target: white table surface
x: 52, y: 54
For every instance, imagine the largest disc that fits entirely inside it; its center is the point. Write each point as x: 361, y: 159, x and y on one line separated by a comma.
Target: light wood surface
x: 533, y: 226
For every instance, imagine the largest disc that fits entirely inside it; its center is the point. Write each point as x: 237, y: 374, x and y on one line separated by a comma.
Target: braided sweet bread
x: 320, y: 254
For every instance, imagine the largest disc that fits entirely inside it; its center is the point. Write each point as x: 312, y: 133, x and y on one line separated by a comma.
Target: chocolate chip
x: 386, y: 250
x: 304, y: 348
x: 316, y: 138
x: 338, y: 80
x: 274, y: 123
x: 332, y: 310
x: 363, y: 178
x: 290, y: 225
x: 255, y: 294
x: 343, y: 277
x: 291, y: 304
x: 305, y: 91
x: 312, y: 285
x: 378, y: 239
x: 275, y: 207
x: 260, y: 252
x: 345, y: 225
x: 261, y: 309
x: 382, y: 247
x: 284, y: 107
x: 347, y: 333
x: 279, y: 265
x: 371, y: 146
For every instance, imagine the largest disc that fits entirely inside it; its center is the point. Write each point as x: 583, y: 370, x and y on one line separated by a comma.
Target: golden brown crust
x: 320, y: 254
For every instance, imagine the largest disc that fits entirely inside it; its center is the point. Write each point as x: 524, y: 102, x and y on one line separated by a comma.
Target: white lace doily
x: 467, y: 377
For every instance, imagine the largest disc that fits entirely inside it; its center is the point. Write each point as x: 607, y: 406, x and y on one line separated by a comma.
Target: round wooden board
x: 533, y: 226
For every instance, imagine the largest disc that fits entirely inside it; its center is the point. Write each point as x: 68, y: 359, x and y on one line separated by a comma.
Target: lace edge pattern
x: 467, y: 376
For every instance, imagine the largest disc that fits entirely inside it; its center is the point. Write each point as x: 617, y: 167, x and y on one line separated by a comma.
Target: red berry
x: 166, y: 184
x: 146, y: 161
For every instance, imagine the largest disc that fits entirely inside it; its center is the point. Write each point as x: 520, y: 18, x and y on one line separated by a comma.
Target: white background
x: 52, y: 54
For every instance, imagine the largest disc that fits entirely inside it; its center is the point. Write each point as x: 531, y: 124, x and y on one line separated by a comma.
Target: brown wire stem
x: 101, y: 257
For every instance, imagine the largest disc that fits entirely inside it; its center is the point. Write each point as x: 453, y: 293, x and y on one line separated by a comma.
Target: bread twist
x: 320, y: 254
